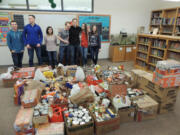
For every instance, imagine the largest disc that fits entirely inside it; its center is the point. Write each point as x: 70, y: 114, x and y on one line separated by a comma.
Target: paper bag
x: 84, y: 96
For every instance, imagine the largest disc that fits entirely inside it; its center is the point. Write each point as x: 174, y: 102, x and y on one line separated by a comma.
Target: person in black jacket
x: 74, y: 42
x: 95, y: 44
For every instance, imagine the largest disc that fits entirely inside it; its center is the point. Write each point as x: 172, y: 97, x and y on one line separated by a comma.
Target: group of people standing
x: 74, y: 43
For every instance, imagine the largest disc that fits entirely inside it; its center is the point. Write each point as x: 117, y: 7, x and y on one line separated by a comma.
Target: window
x: 48, y: 5
x: 44, y: 5
x: 13, y: 4
x: 78, y: 5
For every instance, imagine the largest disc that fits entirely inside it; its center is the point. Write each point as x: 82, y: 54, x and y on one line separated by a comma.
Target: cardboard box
x: 127, y: 115
x: 28, y: 132
x: 107, y: 126
x: 104, y: 127
x: 30, y: 98
x: 146, y: 84
x: 51, y: 129
x: 40, y: 119
x: 23, y: 121
x: 166, y: 81
x: 86, y: 129
x: 146, y: 108
x: 28, y: 72
x: 7, y: 83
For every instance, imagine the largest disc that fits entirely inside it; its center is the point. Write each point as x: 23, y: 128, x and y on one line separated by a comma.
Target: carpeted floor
x: 167, y: 124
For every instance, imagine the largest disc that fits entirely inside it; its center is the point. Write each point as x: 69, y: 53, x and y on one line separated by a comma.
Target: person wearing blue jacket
x: 15, y: 44
x: 33, y: 38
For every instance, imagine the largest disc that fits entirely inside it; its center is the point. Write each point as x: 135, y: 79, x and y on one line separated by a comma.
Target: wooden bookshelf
x: 166, y: 20
x: 158, y: 47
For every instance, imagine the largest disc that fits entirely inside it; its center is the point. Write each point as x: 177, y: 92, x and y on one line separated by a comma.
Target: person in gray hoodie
x: 15, y: 44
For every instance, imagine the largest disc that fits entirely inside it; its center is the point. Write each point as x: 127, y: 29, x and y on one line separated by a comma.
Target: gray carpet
x: 167, y: 124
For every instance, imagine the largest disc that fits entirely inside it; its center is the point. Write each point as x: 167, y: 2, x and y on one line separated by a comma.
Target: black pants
x: 17, y: 59
x: 94, y: 54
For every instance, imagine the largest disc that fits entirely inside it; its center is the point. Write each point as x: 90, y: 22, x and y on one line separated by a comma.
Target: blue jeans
x: 94, y: 54
x: 84, y: 52
x: 63, y: 52
x: 31, y: 55
x: 74, y: 51
x: 17, y: 59
x: 52, y: 55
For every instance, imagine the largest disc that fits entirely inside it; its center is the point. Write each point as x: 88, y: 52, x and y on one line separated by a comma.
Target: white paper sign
x: 120, y: 48
x: 128, y: 49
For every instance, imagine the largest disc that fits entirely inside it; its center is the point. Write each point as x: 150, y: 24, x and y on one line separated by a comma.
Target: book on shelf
x: 178, y: 21
x: 154, y: 60
x: 168, y: 21
x: 141, y: 63
x: 157, y: 15
x: 142, y: 55
x: 174, y: 45
x: 168, y: 30
x: 143, y: 48
x: 158, y: 53
x: 151, y: 68
x: 156, y: 21
x: 159, y: 43
x: 144, y: 40
x: 173, y: 55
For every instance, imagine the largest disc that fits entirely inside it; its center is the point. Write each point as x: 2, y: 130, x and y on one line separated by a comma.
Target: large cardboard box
x: 51, y: 129
x: 40, y: 120
x: 107, y: 126
x: 104, y: 127
x: 23, y: 122
x: 7, y: 83
x: 127, y: 115
x: 146, y: 108
x: 86, y: 129
x: 30, y: 98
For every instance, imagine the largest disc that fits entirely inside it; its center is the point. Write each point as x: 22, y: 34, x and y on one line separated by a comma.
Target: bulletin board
x: 103, y: 23
x: 4, y: 27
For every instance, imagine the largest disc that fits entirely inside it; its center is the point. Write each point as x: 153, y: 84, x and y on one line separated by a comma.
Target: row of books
x: 174, y: 45
x: 157, y: 15
x: 168, y: 21
x: 156, y: 52
x: 174, y: 55
x: 144, y: 40
x: 156, y: 21
x: 142, y: 55
x: 178, y: 21
x: 159, y: 43
x: 141, y: 63
x: 151, y: 68
x: 167, y: 29
x: 143, y: 48
x: 154, y: 60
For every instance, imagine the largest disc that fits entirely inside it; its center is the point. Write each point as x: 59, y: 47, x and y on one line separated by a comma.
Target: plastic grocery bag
x: 80, y: 76
x: 7, y: 75
x: 39, y: 75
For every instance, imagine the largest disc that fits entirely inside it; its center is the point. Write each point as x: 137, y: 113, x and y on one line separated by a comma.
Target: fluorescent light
x: 172, y: 0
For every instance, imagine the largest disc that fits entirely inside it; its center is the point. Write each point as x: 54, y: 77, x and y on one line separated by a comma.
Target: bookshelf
x: 153, y: 48
x: 166, y: 20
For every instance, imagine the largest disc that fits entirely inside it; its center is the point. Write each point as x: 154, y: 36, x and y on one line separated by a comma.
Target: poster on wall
x: 102, y: 23
x: 4, y: 27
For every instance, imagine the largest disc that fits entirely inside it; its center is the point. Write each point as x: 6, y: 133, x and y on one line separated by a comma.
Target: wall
x: 125, y: 15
